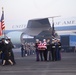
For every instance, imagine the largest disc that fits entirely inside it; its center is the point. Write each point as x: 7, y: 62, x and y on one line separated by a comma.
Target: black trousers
x: 41, y: 54
x: 53, y: 54
x: 45, y: 55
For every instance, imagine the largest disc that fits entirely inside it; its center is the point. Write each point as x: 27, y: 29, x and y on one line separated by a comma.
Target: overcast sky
x: 19, y: 11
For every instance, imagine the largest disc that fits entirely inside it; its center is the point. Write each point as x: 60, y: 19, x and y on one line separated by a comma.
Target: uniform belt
x: 53, y: 46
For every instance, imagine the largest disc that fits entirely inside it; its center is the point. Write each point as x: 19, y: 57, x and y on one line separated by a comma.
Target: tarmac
x: 29, y: 66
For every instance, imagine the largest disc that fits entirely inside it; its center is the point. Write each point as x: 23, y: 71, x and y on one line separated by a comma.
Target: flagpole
x: 53, y: 29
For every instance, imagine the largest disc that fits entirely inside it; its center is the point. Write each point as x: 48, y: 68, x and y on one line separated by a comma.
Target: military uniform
x: 53, y: 51
x: 37, y: 51
x: 42, y: 51
x: 59, y: 49
x: 49, y: 50
x: 22, y: 50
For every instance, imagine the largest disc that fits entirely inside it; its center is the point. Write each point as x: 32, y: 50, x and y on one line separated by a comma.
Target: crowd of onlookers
x: 27, y: 49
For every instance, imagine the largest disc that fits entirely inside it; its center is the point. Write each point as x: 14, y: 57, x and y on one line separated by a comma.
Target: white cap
x: 44, y: 39
x: 6, y: 42
x: 53, y: 39
x: 37, y: 39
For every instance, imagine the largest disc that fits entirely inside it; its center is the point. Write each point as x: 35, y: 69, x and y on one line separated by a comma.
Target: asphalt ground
x: 29, y: 66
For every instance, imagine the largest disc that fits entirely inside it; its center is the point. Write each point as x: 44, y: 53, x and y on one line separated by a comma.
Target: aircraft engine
x: 15, y: 37
x: 18, y: 37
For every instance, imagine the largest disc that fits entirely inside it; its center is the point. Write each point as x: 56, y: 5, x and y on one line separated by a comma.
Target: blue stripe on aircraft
x: 8, y: 31
x: 65, y: 28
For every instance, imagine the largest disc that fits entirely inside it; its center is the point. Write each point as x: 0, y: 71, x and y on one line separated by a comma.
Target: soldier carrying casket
x: 42, y: 47
x: 53, y: 50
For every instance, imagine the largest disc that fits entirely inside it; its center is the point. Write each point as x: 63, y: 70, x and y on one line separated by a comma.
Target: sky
x: 18, y: 12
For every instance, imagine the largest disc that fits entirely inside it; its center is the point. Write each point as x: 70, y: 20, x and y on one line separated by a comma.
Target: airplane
x: 33, y: 28
x: 62, y: 26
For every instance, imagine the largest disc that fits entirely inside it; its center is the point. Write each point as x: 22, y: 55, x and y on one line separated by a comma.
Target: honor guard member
x: 53, y: 50
x: 49, y: 49
x: 37, y: 51
x: 42, y: 48
x: 59, y: 49
x: 11, y: 54
x: 45, y: 47
x: 56, y: 49
x: 22, y: 50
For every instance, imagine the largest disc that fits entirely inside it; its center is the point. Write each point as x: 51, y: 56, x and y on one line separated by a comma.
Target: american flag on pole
x: 53, y: 30
x: 2, y: 25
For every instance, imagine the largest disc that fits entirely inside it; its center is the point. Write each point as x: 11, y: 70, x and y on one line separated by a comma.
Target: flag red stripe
x: 2, y: 25
x: 0, y: 30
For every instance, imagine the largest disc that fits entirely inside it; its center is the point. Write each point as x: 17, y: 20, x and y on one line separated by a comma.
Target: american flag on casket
x: 42, y: 46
